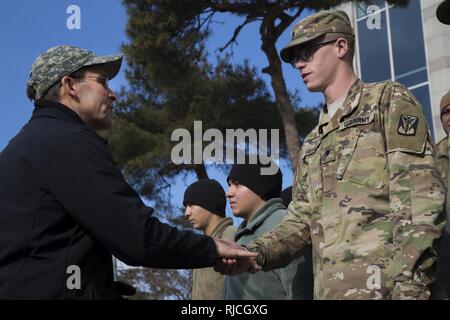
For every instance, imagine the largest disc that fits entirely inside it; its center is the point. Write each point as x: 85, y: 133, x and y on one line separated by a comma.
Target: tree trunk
x: 200, y: 171
x: 283, y: 101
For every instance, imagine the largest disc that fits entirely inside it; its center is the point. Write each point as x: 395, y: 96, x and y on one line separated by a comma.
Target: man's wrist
x: 253, y: 247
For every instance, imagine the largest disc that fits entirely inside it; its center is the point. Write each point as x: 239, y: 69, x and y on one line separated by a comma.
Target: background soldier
x: 366, y: 193
x: 443, y: 15
x: 442, y: 146
x: 442, y: 287
x: 205, y: 203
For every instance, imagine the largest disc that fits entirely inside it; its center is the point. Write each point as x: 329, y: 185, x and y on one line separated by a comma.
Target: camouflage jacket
x: 442, y: 158
x: 443, y: 265
x: 368, y: 196
x: 207, y: 284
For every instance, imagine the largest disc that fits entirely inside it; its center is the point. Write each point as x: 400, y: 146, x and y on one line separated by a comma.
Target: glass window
x: 374, y: 59
x: 423, y: 95
x: 361, y: 7
x: 408, y: 47
x: 413, y: 77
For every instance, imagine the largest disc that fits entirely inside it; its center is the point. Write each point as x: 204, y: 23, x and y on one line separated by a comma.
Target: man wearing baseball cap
x: 255, y: 197
x: 204, y: 203
x: 65, y: 207
x: 367, y: 193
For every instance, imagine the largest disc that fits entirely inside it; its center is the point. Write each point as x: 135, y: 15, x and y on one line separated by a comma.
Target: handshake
x: 234, y: 258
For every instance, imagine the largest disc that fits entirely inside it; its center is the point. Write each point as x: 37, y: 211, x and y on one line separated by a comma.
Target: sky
x: 28, y: 28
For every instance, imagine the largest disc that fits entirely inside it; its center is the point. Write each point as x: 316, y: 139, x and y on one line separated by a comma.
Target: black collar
x: 56, y: 110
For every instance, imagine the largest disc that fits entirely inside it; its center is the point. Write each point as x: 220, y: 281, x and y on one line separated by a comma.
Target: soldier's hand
x: 235, y: 259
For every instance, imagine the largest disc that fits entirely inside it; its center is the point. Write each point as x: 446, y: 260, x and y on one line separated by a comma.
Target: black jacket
x: 64, y: 203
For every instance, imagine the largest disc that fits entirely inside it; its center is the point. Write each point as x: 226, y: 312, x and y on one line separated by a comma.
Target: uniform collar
x: 352, y: 99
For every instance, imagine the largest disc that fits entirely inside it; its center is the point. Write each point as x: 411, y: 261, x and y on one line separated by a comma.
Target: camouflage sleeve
x: 287, y: 240
x: 442, y: 158
x: 417, y: 194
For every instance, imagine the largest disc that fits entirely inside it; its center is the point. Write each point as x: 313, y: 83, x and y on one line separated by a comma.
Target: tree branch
x: 236, y: 33
x: 206, y: 20
x: 286, y: 21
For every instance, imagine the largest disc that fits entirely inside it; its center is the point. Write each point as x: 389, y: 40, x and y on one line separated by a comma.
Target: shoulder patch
x: 407, y: 125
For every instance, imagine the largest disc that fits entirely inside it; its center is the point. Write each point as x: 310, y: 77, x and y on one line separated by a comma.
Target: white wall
x: 437, y: 47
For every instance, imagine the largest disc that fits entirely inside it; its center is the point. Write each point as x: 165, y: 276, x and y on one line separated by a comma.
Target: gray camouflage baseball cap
x: 443, y: 12
x: 314, y: 26
x: 60, y: 61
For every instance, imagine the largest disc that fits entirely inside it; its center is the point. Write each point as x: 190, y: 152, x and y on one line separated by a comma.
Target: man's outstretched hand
x: 234, y: 259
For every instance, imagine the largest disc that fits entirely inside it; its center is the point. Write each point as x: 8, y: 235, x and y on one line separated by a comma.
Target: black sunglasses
x: 305, y: 53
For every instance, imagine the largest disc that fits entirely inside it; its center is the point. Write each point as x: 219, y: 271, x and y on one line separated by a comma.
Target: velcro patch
x: 407, y: 125
x: 309, y: 147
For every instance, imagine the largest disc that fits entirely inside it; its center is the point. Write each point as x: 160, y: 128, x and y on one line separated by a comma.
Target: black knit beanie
x: 208, y: 194
x: 249, y: 175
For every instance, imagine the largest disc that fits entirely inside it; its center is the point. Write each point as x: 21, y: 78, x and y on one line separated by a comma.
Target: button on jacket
x: 64, y: 206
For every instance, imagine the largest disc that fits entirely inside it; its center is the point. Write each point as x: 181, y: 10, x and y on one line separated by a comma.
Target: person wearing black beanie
x: 205, y: 202
x: 255, y: 197
x: 251, y: 175
x: 208, y: 194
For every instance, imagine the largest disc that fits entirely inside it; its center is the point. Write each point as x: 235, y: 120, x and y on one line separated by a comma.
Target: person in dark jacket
x: 205, y: 203
x: 256, y: 198
x: 64, y: 206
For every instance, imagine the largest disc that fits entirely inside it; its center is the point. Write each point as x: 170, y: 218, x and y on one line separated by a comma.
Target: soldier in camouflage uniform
x: 442, y: 152
x: 442, y: 156
x: 442, y: 146
x: 367, y: 193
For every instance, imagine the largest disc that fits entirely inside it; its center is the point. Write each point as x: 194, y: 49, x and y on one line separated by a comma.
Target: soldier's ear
x: 342, y: 47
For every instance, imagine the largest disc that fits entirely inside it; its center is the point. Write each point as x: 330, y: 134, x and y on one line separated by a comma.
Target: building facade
x: 404, y: 44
